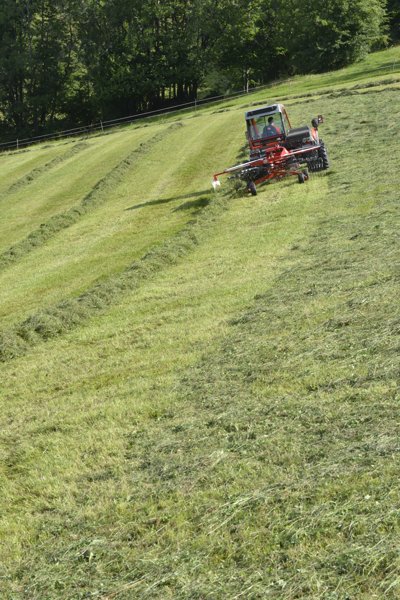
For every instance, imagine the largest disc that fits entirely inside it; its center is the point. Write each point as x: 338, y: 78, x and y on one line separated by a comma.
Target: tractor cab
x: 267, y: 126
x: 277, y: 150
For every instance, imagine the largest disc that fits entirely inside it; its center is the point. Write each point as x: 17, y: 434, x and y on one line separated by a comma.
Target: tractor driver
x: 271, y: 129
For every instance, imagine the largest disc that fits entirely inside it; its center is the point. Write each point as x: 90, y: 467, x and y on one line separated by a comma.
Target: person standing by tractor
x: 271, y: 129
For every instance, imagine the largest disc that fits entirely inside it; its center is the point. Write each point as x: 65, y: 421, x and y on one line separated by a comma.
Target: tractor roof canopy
x: 273, y: 108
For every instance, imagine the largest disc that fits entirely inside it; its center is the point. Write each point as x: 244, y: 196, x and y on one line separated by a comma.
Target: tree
x: 37, y: 39
x: 330, y: 35
x: 393, y: 8
x: 232, y: 26
x: 75, y: 61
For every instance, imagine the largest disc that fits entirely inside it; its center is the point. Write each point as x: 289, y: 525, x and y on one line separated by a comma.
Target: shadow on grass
x: 194, y: 204
x: 172, y: 199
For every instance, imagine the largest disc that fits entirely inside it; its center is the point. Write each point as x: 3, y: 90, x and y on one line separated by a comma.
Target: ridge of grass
x: 96, y: 196
x: 41, y: 170
x: 383, y: 84
x: 14, y: 167
x: 67, y: 314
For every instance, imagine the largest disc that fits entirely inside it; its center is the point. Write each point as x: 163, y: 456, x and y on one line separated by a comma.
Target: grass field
x: 199, y: 392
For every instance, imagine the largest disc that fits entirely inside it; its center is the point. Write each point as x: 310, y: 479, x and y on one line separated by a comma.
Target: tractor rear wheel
x: 323, y: 156
x: 251, y: 186
x: 321, y: 161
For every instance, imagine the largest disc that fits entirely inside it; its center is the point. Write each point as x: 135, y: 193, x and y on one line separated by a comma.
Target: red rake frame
x: 278, y: 162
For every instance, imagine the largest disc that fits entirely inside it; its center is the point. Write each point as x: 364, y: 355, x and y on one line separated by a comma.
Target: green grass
x: 221, y: 421
x: 31, y: 202
x: 69, y: 266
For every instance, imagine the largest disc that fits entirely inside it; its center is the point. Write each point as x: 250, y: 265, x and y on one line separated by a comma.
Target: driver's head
x: 270, y: 119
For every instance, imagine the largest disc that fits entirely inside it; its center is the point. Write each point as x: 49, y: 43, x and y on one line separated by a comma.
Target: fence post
x: 17, y: 144
x: 101, y: 124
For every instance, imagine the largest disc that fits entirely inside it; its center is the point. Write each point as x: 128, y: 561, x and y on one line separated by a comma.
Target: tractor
x: 277, y: 149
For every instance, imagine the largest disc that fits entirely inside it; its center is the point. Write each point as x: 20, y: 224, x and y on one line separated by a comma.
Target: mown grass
x: 61, y: 183
x: 229, y: 428
x: 99, y: 193
x: 122, y: 212
x: 17, y: 166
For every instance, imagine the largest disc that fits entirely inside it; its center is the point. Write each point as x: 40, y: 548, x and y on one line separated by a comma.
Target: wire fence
x: 103, y: 125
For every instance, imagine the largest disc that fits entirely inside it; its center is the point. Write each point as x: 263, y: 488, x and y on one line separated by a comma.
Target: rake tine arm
x: 251, y: 163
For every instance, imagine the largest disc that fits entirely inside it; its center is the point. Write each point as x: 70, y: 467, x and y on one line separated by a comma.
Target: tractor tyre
x: 315, y: 165
x: 251, y: 186
x: 323, y: 156
x: 301, y: 177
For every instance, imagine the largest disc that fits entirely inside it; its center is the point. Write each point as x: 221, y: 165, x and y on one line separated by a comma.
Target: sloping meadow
x: 135, y: 207
x: 220, y: 419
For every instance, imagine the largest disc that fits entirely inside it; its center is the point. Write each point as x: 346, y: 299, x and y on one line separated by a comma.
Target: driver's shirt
x: 270, y: 130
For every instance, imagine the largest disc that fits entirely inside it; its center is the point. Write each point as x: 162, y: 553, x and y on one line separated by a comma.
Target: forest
x: 70, y: 62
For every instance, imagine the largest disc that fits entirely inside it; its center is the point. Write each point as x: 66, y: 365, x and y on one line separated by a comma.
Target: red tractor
x: 277, y: 150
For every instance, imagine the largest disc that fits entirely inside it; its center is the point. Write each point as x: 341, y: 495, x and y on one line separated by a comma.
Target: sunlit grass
x: 229, y: 427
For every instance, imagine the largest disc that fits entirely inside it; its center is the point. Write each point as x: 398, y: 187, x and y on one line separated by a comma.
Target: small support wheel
x: 251, y: 186
x: 301, y: 177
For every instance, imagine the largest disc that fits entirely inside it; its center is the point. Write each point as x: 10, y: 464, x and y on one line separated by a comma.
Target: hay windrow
x: 67, y: 314
x: 385, y: 84
x: 259, y: 409
x: 38, y: 171
x: 94, y: 198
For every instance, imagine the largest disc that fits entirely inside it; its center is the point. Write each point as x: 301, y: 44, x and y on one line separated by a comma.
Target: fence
x: 102, y: 125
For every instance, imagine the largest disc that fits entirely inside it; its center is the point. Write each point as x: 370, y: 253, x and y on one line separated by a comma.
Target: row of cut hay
x: 67, y: 314
x: 94, y: 198
x: 38, y: 171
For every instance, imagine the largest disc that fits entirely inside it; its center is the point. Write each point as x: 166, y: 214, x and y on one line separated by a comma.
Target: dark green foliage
x: 69, y: 62
x: 37, y: 60
x: 393, y: 7
x: 329, y: 35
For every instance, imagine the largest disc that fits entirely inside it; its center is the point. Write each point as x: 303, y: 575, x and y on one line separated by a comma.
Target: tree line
x: 71, y: 62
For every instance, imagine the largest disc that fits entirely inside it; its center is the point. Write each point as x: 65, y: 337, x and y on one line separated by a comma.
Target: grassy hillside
x: 199, y: 392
